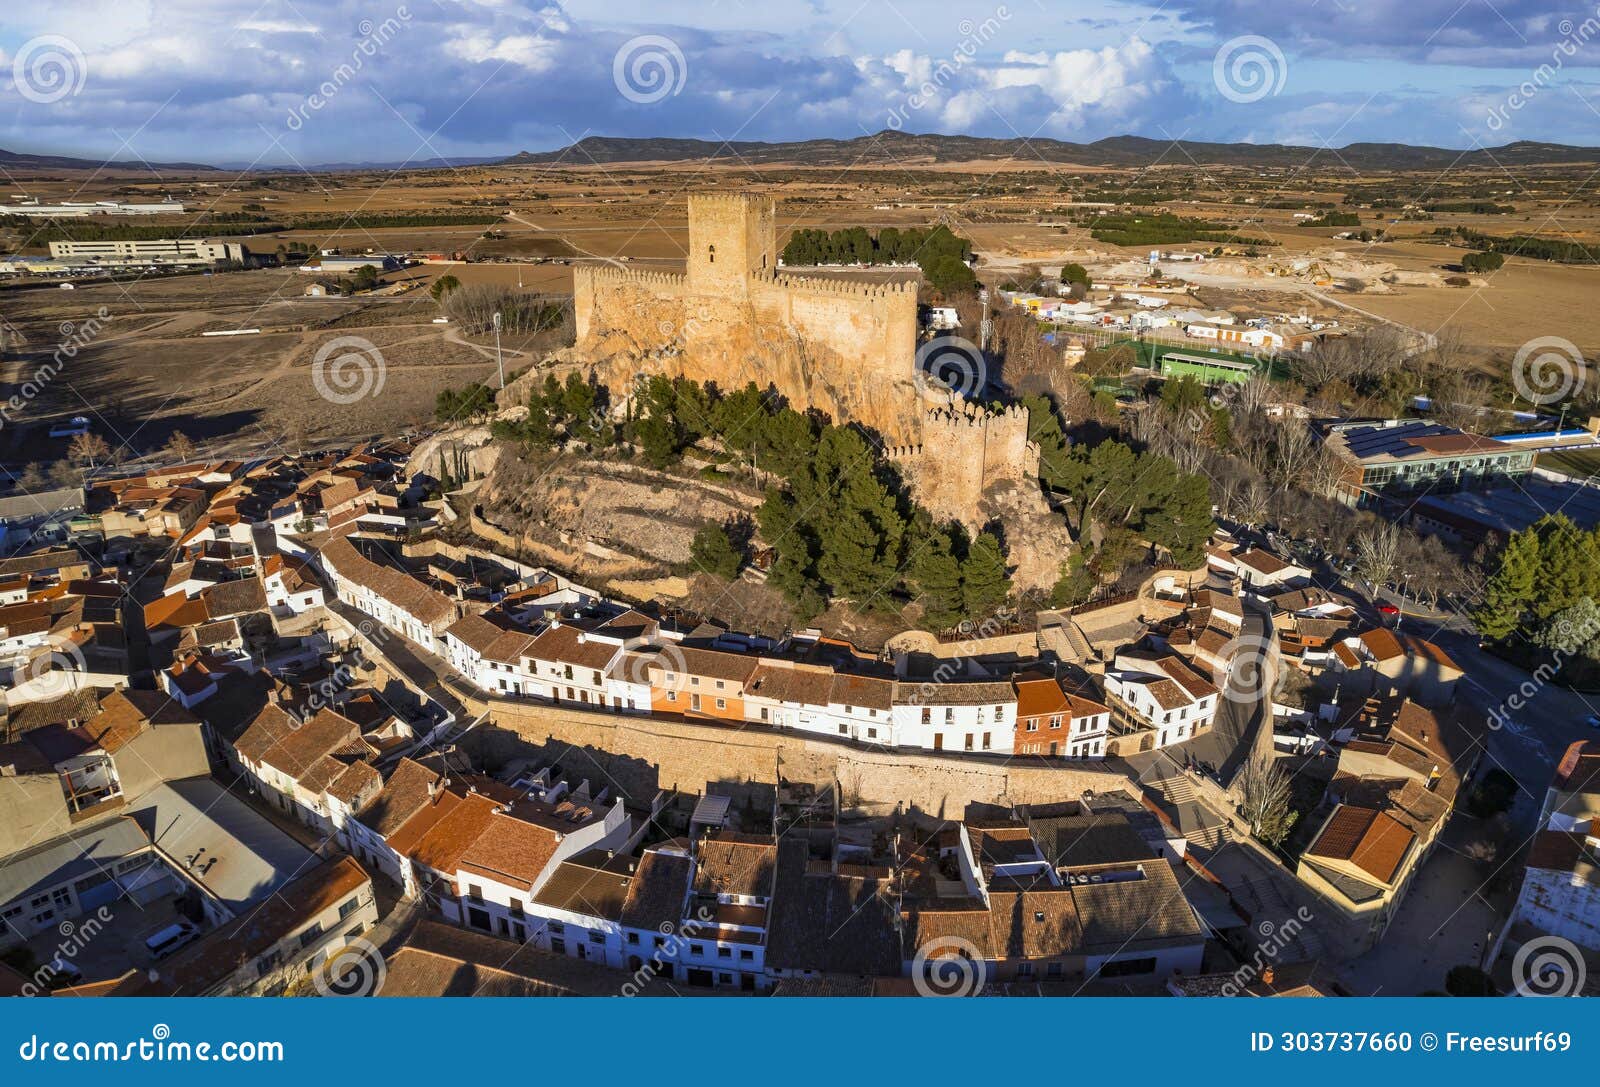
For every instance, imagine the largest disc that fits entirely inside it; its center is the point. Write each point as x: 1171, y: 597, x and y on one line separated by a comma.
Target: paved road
x: 420, y: 668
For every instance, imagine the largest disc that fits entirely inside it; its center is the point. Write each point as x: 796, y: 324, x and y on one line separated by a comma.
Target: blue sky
x: 280, y: 82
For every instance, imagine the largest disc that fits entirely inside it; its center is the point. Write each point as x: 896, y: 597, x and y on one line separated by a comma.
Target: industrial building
x: 162, y: 251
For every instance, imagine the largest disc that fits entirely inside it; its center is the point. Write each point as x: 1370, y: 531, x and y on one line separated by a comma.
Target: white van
x: 170, y: 939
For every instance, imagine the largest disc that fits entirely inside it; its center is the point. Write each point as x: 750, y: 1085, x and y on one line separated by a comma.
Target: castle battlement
x: 840, y: 287
x: 596, y: 273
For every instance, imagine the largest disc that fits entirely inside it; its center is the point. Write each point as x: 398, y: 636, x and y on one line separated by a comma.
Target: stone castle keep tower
x: 847, y: 348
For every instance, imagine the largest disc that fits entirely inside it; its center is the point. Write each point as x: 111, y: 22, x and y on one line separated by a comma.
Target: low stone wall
x: 638, y: 755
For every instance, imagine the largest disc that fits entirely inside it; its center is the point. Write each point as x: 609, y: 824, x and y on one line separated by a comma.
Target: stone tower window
x: 711, y: 254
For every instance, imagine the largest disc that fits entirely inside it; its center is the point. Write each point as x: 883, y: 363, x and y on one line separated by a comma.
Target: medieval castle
x: 845, y: 348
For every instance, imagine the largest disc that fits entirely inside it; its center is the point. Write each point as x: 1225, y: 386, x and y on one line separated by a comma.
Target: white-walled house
x: 966, y: 716
x: 1161, y: 698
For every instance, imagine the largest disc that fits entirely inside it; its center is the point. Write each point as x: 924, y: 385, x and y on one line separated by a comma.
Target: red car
x: 1388, y: 609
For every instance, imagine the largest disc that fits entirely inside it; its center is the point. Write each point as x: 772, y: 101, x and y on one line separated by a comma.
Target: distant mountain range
x: 902, y: 148
x: 16, y: 160
x: 907, y: 149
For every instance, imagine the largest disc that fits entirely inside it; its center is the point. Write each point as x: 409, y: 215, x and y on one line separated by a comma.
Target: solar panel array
x: 1395, y: 441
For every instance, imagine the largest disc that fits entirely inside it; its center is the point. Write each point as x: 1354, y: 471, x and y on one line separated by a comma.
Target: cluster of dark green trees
x: 1544, y: 589
x: 1335, y: 218
x: 1474, y: 207
x: 941, y: 254
x: 1131, y: 496
x: 378, y: 221
x: 461, y: 405
x: 1164, y: 228
x: 1482, y: 262
x: 76, y: 230
x: 575, y: 411
x: 838, y: 522
x: 1523, y: 245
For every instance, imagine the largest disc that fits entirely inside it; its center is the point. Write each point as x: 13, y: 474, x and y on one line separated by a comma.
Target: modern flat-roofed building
x: 1406, y: 459
x: 176, y: 251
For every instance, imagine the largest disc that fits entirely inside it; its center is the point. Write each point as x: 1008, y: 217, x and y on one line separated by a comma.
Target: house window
x: 969, y: 741
x: 722, y: 703
x: 724, y: 952
x: 1024, y: 969
x: 348, y: 907
x: 697, y: 949
x: 872, y: 734
x: 986, y: 741
x: 1033, y: 724
x: 633, y: 938
x: 711, y: 254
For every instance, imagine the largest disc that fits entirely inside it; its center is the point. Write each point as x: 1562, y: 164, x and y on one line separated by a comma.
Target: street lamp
x: 498, y: 361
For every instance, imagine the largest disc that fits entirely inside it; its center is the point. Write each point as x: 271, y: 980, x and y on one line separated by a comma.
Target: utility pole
x: 500, y: 363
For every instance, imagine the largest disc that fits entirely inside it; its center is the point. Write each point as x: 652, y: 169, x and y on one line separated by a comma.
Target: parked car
x: 1388, y: 609
x: 171, y: 939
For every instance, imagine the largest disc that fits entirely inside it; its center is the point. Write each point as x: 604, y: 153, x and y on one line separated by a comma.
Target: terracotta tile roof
x: 446, y: 830
x: 237, y: 943
x: 509, y: 850
x: 870, y: 692
x: 712, y: 664
x: 740, y: 864
x: 568, y: 643
x: 1371, y: 840
x: 1579, y: 769
x: 658, y: 892
x: 474, y: 631
x: 1263, y: 562
x: 782, y: 682
x: 397, y: 587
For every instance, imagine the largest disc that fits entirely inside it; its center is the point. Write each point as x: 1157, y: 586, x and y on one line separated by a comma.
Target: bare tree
x: 1378, y: 553
x: 1266, y: 796
x: 88, y: 448
x: 180, y: 447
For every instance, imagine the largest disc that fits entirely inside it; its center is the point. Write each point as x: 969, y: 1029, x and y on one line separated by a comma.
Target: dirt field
x: 147, y: 370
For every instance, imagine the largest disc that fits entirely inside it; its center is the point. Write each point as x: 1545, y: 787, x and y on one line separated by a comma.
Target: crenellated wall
x: 965, y: 449
x: 847, y: 349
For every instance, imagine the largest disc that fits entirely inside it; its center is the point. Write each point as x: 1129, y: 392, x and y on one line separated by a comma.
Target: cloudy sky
x: 313, y: 81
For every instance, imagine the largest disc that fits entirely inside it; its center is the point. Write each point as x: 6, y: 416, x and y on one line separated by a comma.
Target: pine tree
x: 714, y: 553
x: 938, y: 578
x: 1510, y: 589
x: 985, y: 587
